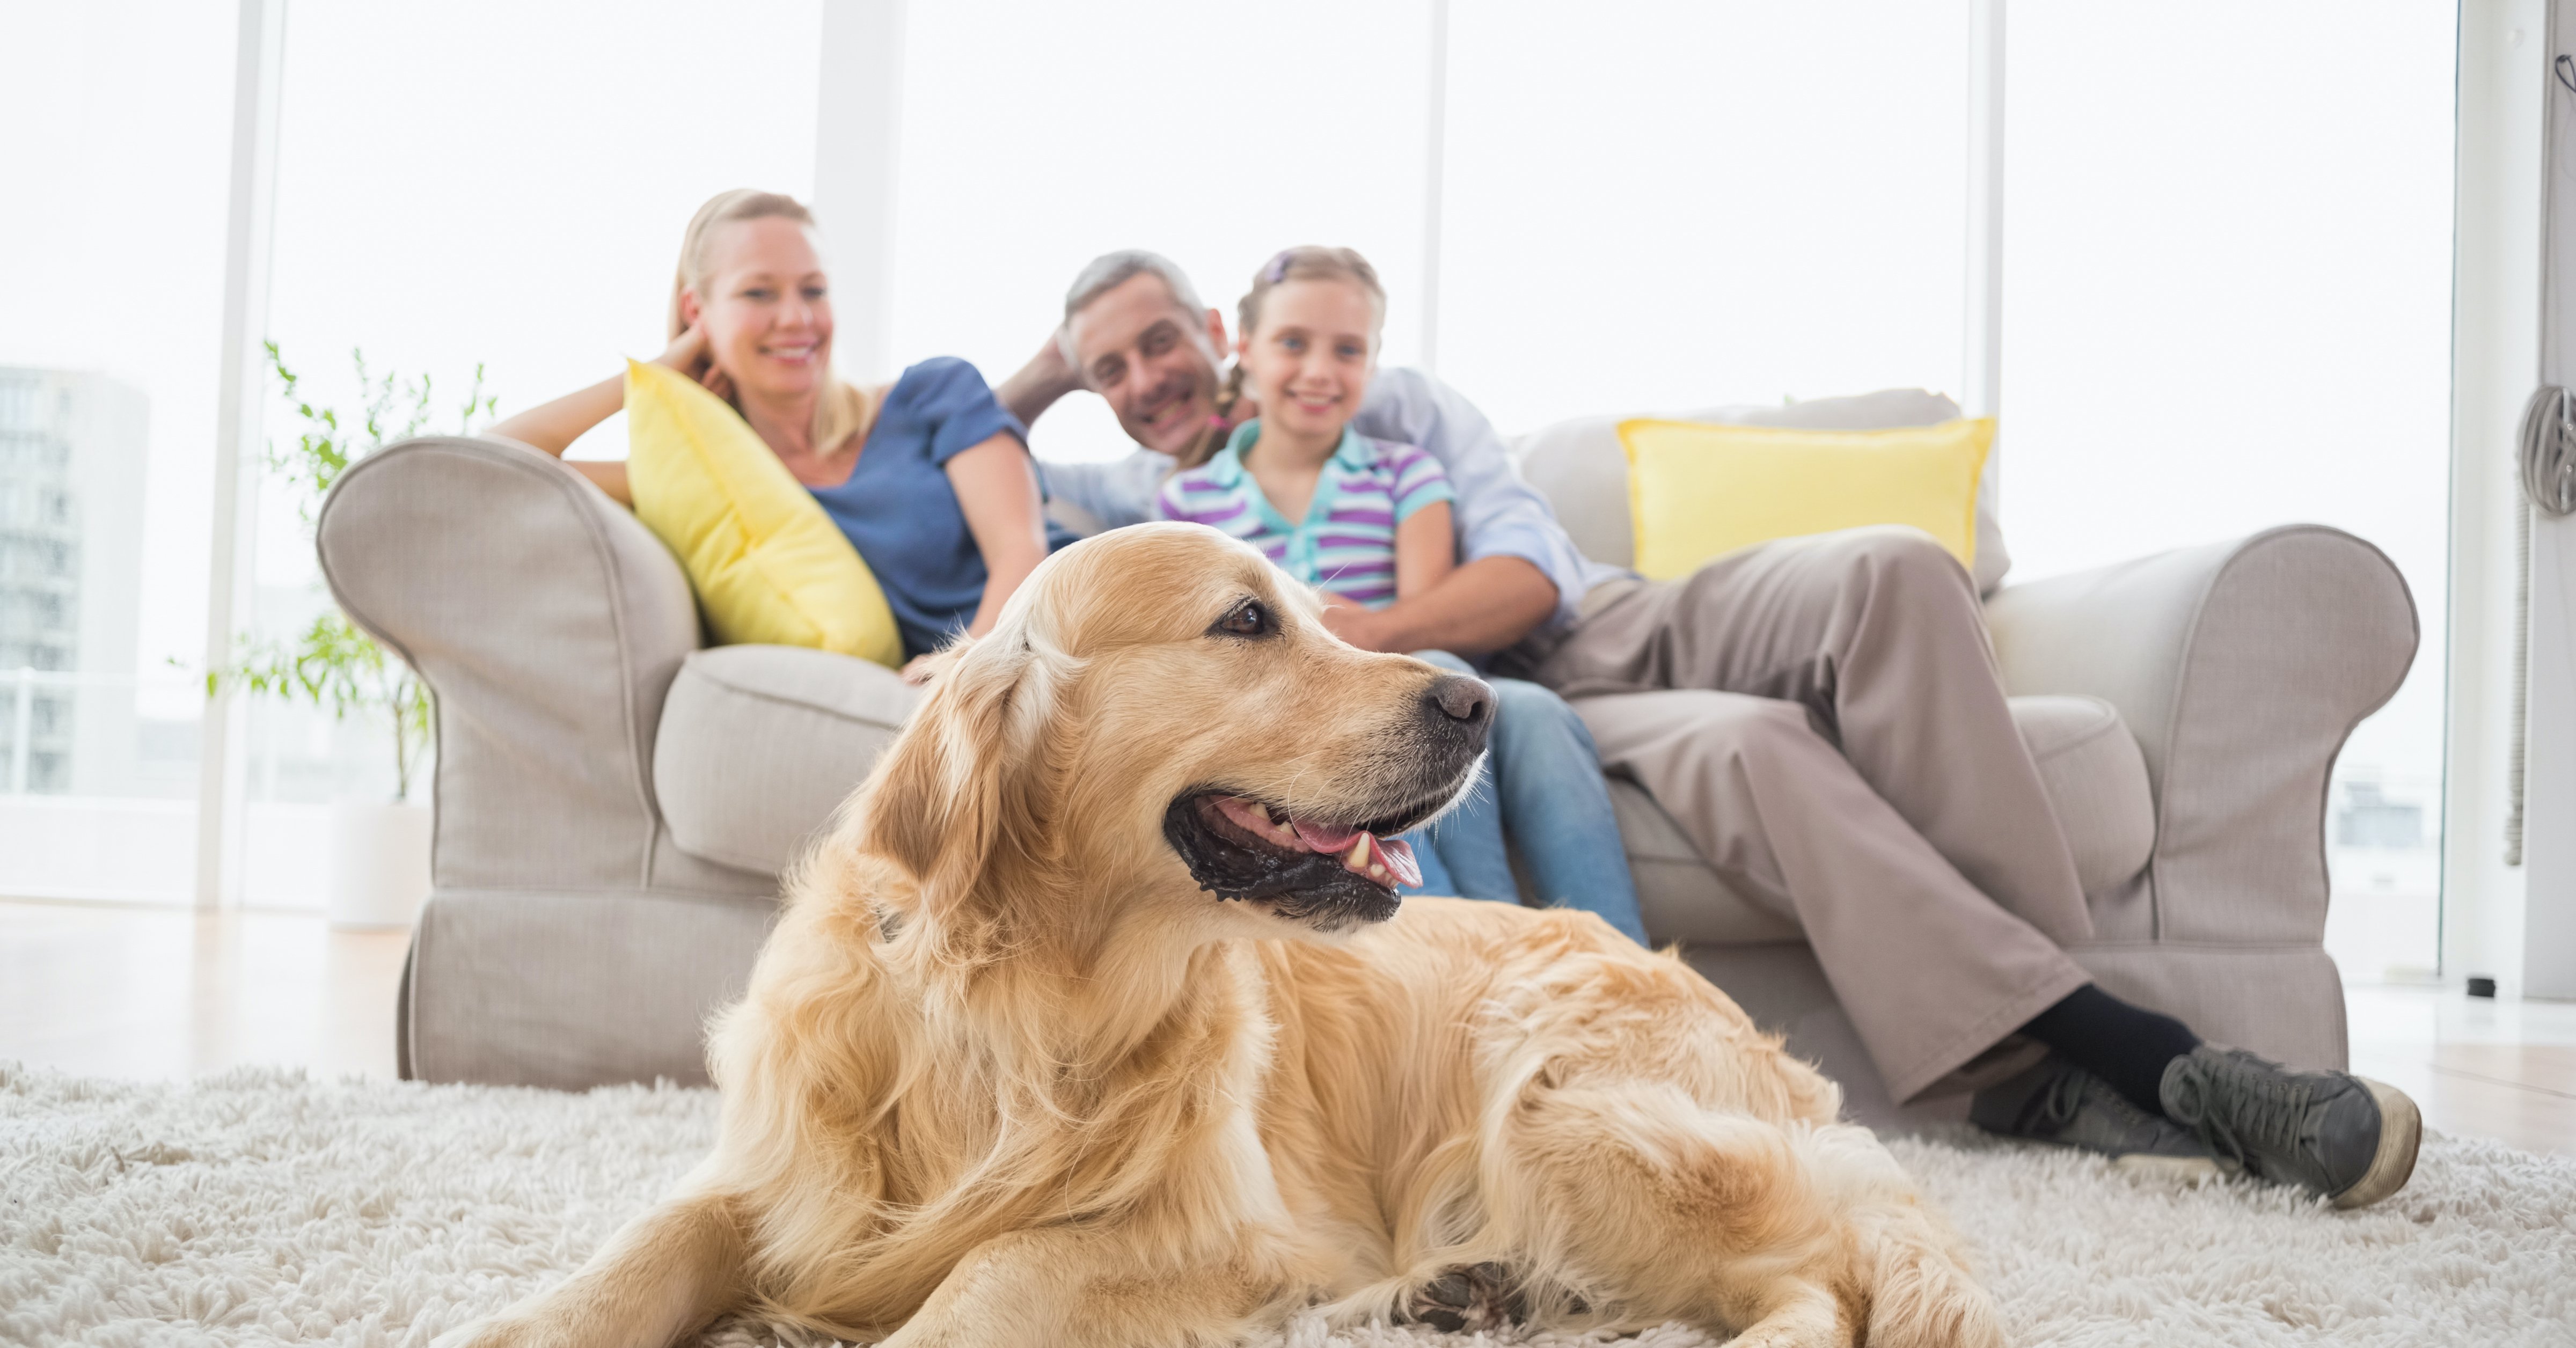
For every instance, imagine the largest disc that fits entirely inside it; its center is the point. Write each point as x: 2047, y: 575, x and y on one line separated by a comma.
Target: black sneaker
x: 2347, y: 1137
x: 2062, y: 1104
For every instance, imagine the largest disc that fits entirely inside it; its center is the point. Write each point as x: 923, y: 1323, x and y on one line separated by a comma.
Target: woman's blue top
x: 900, y: 511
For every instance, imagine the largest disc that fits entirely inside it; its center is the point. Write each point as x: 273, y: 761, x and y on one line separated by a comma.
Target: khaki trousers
x: 1824, y: 719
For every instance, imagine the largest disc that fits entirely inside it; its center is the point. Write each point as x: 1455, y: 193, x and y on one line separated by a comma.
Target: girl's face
x: 1309, y: 360
x: 765, y: 307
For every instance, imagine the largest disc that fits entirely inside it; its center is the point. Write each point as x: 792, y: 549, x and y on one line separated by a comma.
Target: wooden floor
x: 2478, y: 1067
x: 163, y: 993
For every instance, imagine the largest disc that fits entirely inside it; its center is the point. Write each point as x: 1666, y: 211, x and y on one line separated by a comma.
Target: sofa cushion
x: 1682, y: 897
x: 761, y: 744
x: 1581, y: 468
x: 2089, y: 762
x: 767, y: 563
x: 1698, y: 491
x: 2096, y: 779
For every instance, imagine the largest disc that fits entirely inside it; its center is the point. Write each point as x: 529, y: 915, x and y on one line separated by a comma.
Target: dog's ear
x: 934, y: 804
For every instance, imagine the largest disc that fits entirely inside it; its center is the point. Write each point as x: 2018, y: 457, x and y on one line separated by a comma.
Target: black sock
x: 2127, y: 1046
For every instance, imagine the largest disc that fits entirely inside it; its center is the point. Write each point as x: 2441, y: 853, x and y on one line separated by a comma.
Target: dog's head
x: 1159, y: 727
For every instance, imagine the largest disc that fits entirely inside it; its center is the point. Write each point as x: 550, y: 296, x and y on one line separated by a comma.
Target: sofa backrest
x: 1581, y: 469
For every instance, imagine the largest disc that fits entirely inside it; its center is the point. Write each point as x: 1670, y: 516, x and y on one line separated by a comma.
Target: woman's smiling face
x: 765, y: 306
x: 1310, y: 357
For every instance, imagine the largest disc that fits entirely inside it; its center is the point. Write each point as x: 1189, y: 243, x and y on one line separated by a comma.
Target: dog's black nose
x: 1463, y: 699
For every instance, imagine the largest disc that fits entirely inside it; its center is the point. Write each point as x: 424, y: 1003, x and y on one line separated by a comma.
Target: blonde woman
x: 930, y: 478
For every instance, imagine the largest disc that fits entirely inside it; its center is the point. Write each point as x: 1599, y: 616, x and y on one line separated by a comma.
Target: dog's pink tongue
x: 1381, y: 859
x: 1325, y: 837
x: 1397, y: 856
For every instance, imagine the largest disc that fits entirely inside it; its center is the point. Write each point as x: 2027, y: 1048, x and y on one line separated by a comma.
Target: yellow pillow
x: 768, y: 565
x: 1697, y: 490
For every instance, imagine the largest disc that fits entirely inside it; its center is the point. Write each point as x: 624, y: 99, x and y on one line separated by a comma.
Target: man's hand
x: 1353, y: 622
x: 1038, y: 385
x: 1475, y: 610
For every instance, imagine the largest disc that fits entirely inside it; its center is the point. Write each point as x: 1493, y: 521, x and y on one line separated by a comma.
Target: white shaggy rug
x: 264, y: 1206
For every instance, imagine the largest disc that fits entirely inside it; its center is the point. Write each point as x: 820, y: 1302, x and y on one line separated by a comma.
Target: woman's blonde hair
x: 843, y: 412
x: 1308, y: 263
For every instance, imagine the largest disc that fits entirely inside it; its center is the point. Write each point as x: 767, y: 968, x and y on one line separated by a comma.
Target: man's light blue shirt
x: 1498, y: 514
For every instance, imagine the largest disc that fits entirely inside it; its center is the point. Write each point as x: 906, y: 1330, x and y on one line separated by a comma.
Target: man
x: 1823, y: 718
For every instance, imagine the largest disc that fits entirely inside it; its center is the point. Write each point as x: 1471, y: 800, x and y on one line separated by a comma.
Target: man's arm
x: 1475, y: 610
x: 1040, y: 384
x: 1117, y: 493
x: 1501, y: 519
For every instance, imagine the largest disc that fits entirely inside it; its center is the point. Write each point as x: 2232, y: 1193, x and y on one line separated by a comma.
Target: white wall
x: 2504, y: 67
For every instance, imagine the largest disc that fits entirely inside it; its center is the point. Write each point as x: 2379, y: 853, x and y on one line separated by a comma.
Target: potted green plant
x: 378, y: 852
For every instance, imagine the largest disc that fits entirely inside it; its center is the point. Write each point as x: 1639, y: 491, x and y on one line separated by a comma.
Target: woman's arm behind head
x: 551, y: 427
x: 609, y: 475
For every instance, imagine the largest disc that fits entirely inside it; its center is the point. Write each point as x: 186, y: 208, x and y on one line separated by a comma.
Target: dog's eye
x: 1251, y: 618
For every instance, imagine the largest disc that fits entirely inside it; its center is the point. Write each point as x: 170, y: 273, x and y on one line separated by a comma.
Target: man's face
x: 1152, y: 359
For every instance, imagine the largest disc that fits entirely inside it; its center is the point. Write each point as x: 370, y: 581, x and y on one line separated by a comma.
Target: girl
x: 1367, y: 523
x: 931, y: 478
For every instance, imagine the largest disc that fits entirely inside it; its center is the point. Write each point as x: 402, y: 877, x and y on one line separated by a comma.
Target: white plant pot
x: 379, y: 865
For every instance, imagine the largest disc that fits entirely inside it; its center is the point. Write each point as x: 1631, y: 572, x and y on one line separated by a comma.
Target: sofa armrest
x: 2241, y: 667
x: 548, y: 624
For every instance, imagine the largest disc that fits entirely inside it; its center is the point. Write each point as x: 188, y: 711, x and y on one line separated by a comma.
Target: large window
x: 118, y: 152
x: 1662, y: 208
x: 1214, y: 134
x: 498, y: 185
x: 1645, y: 207
x: 2227, y: 282
x: 2227, y: 241
x: 507, y: 183
x: 2227, y: 306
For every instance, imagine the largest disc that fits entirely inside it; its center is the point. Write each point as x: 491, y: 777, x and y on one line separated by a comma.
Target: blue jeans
x: 1543, y: 784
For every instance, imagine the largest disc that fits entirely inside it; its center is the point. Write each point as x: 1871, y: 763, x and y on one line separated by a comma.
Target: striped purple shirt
x: 1347, y: 542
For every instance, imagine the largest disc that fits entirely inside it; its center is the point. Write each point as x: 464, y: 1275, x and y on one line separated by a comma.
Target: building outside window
x: 71, y: 463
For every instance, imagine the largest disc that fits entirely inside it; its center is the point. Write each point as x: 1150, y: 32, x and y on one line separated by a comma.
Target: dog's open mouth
x: 1389, y: 861
x: 1310, y: 869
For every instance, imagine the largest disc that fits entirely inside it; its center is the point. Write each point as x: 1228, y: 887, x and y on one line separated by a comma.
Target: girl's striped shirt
x: 1346, y: 543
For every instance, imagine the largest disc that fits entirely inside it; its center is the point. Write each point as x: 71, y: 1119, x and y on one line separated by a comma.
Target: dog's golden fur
x: 1006, y: 1074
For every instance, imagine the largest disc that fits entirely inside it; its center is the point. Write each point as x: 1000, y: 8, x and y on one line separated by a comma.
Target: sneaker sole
x: 2401, y: 1132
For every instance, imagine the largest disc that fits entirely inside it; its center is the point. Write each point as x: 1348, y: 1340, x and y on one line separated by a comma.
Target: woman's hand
x: 689, y: 354
x: 917, y: 670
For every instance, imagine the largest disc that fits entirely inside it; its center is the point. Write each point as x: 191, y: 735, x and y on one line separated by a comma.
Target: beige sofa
x: 615, y: 802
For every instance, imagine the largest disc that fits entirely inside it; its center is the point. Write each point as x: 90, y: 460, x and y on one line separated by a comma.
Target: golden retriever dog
x: 1095, y: 1021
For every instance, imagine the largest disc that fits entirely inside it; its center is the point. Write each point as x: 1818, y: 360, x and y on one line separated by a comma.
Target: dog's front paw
x: 1478, y: 1296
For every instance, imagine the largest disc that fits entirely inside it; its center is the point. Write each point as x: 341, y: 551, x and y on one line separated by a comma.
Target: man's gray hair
x: 1109, y: 271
